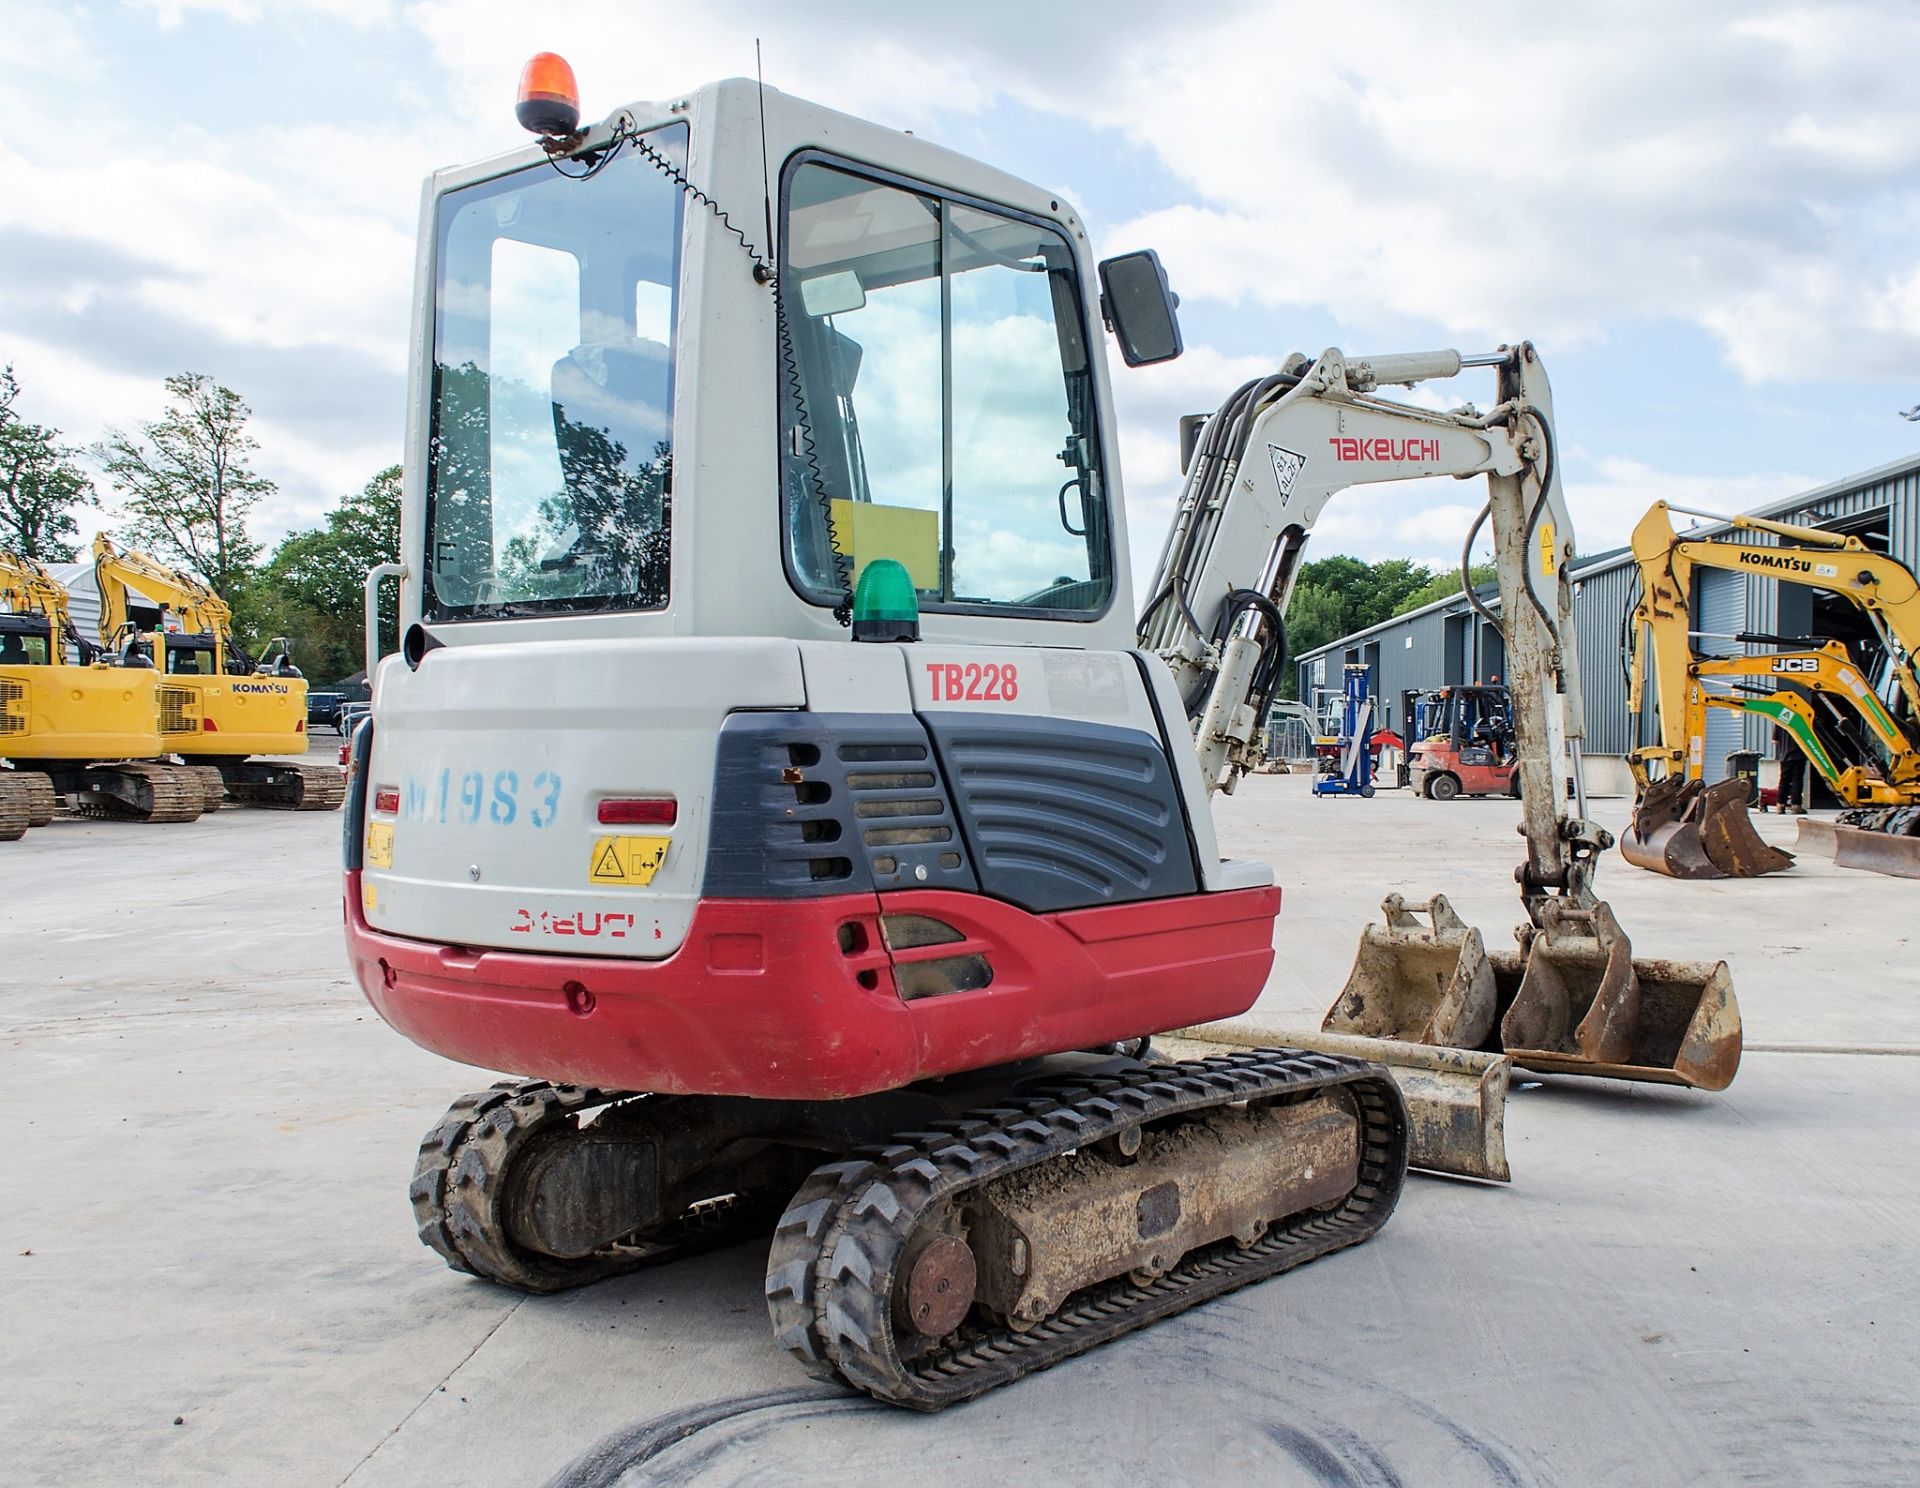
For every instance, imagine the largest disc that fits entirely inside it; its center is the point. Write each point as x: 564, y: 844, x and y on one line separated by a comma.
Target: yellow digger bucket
x: 1421, y: 983
x: 1685, y: 829
x: 1581, y: 1004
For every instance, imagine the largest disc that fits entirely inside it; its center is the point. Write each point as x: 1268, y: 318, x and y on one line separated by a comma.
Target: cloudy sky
x: 1706, y: 215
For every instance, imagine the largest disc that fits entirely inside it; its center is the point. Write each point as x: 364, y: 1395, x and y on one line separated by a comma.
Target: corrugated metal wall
x: 1413, y: 650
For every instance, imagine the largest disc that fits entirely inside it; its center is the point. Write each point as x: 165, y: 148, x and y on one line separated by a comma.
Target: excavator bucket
x: 1727, y: 834
x: 1418, y: 982
x: 1686, y: 829
x: 1580, y: 1004
x: 1664, y: 835
x: 1456, y: 1098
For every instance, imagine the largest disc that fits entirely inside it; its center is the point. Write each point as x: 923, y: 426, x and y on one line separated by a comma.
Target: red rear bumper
x: 762, y: 999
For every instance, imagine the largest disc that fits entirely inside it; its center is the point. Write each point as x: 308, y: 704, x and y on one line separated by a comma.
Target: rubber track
x: 460, y: 1183
x: 871, y: 1216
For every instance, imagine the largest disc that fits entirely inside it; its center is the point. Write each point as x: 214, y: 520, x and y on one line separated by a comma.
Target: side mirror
x: 1139, y: 307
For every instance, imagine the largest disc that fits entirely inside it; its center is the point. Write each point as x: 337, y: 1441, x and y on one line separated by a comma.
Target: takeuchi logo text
x: 1345, y: 448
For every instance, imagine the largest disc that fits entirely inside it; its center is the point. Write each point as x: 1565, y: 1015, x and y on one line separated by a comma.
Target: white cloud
x: 1752, y: 169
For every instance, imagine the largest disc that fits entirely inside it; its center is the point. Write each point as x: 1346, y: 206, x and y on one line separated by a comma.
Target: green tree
x: 1338, y: 595
x: 40, y: 486
x: 187, y: 484
x: 311, y: 589
x: 1444, y: 585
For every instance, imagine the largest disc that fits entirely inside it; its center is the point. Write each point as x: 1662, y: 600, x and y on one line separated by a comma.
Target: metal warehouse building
x: 1446, y: 642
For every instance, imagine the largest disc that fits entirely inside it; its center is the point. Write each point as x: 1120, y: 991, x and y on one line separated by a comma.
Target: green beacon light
x: 885, y: 607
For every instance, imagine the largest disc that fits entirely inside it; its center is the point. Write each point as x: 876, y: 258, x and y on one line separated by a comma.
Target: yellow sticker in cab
x: 379, y: 844
x: 627, y: 860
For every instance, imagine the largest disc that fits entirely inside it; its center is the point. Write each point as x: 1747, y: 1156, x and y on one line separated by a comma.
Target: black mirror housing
x: 1139, y: 306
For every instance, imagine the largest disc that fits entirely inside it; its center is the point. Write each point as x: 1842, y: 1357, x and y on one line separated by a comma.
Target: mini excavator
x: 774, y: 776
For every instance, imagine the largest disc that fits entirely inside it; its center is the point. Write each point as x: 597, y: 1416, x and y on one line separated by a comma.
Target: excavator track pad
x: 967, y: 1256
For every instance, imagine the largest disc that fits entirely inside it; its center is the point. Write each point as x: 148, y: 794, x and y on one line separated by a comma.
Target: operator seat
x: 13, y: 650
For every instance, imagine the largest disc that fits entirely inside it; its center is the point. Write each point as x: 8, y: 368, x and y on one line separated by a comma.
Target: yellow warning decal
x: 369, y: 896
x: 380, y: 844
x: 1548, y: 565
x: 627, y: 860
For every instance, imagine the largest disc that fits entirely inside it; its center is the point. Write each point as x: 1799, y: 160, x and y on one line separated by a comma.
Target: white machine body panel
x: 500, y: 757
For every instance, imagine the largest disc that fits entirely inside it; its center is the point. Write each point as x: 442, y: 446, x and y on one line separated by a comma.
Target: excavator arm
x: 121, y: 574
x: 1574, y: 1000
x: 1265, y: 467
x: 27, y: 587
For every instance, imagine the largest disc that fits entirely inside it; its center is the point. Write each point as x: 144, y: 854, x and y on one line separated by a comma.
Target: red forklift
x: 1462, y: 742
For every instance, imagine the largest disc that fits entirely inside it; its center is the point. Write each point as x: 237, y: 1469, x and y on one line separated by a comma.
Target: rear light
x: 300, y: 727
x: 643, y: 811
x: 207, y: 725
x: 387, y: 799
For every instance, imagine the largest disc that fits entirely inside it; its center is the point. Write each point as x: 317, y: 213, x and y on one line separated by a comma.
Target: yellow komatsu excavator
x: 1857, y: 729
x: 89, y: 730
x: 218, y: 707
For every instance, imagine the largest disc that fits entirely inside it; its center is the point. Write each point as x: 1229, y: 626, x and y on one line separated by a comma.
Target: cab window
x: 938, y: 401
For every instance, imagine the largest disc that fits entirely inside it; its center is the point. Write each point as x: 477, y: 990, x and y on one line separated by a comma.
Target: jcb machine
x: 218, y: 706
x: 91, y: 730
x: 772, y: 773
x: 1461, y: 742
x: 1857, y: 723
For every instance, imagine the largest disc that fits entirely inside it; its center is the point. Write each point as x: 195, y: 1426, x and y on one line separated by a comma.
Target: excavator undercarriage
x: 930, y: 1262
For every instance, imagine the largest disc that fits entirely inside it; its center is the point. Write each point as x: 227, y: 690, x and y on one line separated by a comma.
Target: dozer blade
x: 1727, y: 834
x: 1877, y: 852
x: 1664, y: 835
x: 1580, y: 1004
x: 1879, y: 840
x: 1422, y: 983
x: 1456, y: 1098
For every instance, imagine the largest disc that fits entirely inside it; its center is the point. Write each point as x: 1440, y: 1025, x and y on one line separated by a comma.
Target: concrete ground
x: 208, y: 1272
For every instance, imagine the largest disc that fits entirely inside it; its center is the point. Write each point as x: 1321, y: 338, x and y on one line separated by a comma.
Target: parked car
x: 324, y: 708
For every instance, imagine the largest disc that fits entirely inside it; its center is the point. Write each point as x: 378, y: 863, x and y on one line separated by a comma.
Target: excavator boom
x: 1265, y: 467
